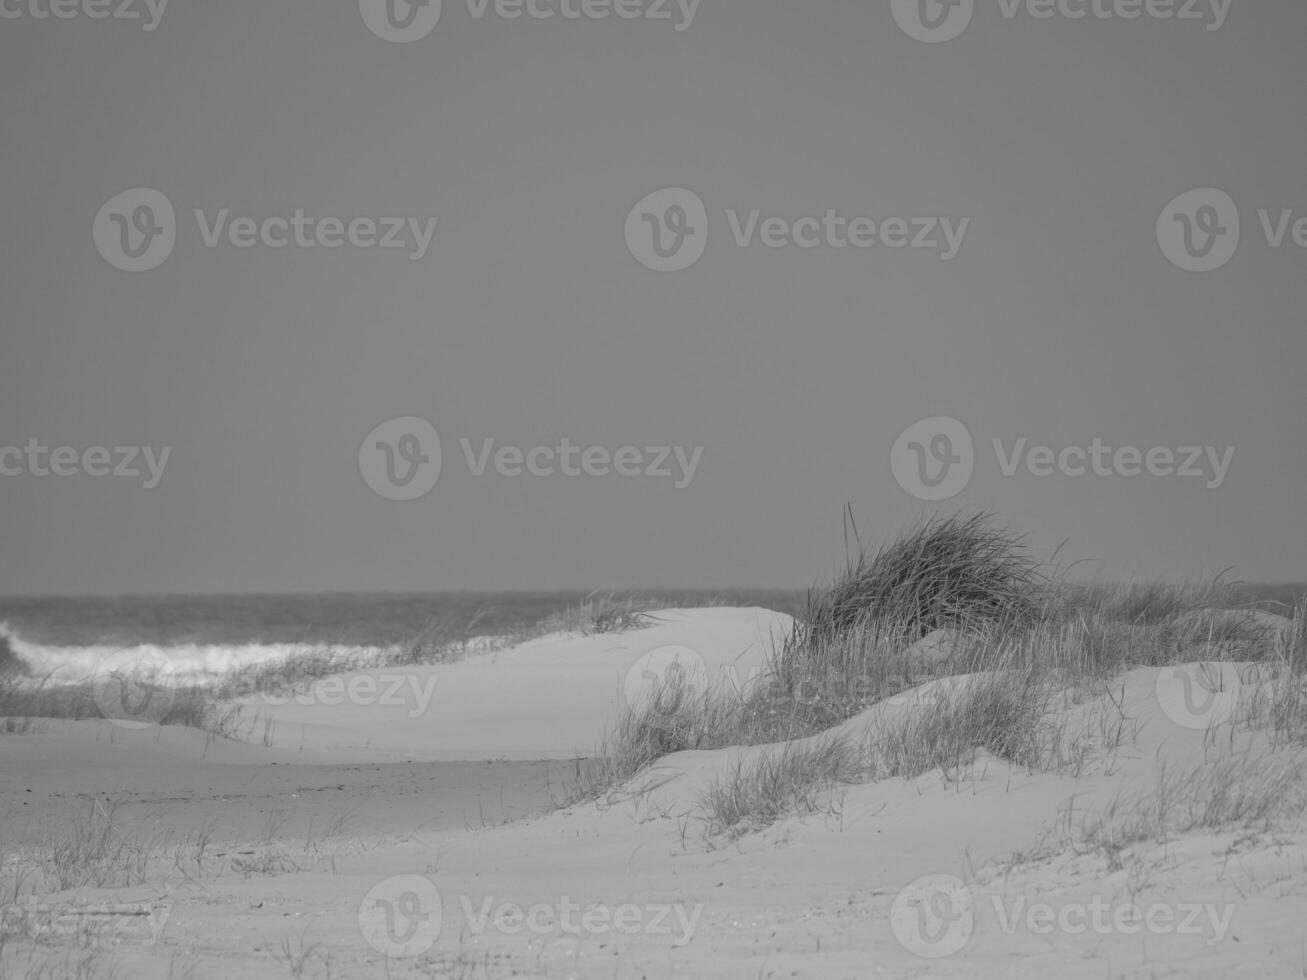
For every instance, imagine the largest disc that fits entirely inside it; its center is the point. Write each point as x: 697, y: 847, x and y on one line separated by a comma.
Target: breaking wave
x: 184, y: 663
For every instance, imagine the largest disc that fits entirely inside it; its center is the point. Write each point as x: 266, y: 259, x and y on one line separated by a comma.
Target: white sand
x: 547, y: 699
x: 813, y: 895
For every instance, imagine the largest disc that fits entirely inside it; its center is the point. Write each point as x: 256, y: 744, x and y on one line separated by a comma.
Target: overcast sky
x: 1051, y: 148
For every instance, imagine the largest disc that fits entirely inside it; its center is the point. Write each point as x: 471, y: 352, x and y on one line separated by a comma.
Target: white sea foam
x: 197, y: 663
x: 187, y: 663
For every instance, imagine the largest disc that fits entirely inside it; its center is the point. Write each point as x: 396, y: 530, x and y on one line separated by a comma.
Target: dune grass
x: 101, y: 846
x: 1280, y: 701
x: 1245, y: 792
x: 1004, y: 714
x: 945, y: 572
x: 1031, y: 639
x: 1031, y: 642
x: 601, y: 612
x: 797, y: 777
x: 98, y: 850
x: 25, y: 701
x: 1150, y: 603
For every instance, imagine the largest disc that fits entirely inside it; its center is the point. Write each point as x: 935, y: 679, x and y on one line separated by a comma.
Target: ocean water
x: 71, y: 638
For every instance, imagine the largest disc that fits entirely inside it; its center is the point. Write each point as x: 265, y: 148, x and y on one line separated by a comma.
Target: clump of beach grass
x: 599, y: 613
x: 847, y: 652
x: 1004, y: 714
x: 1282, y: 704
x: 1151, y: 603
x: 97, y: 850
x: 1256, y: 794
x: 944, y: 573
x: 797, y: 777
x: 962, y: 574
x: 25, y: 700
x: 1029, y: 642
x: 670, y: 720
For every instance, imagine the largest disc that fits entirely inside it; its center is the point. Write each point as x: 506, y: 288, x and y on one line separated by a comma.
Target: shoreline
x: 502, y: 811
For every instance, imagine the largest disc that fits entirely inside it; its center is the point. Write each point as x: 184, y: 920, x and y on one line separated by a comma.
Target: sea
x: 70, y: 639
x: 214, y: 635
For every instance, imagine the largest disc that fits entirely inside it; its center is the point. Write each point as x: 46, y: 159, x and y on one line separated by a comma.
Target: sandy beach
x: 378, y: 840
x: 653, y: 490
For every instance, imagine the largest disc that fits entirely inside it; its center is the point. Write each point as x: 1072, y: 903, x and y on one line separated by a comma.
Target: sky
x: 795, y: 371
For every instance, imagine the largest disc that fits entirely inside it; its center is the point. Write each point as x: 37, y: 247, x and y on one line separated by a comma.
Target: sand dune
x: 850, y: 890
x: 550, y: 698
